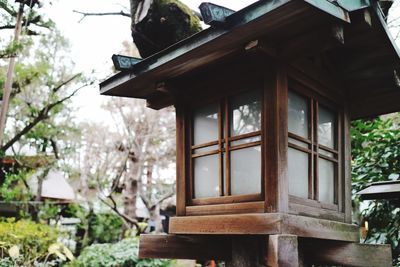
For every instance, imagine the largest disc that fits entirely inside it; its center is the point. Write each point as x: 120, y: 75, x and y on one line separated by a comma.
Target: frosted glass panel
x: 245, y: 113
x: 298, y: 173
x: 205, y: 124
x: 298, y: 114
x: 206, y: 178
x: 326, y: 127
x: 246, y: 171
x: 326, y: 172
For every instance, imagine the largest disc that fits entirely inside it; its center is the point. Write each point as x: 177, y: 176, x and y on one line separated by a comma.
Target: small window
x: 226, y: 147
x: 299, y: 153
x: 312, y: 152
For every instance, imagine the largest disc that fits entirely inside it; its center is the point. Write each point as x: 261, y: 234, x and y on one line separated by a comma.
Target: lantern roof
x: 365, y: 62
x: 381, y: 190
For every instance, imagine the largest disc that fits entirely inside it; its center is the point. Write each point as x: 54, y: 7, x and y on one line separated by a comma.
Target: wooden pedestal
x: 267, y: 251
x: 270, y: 239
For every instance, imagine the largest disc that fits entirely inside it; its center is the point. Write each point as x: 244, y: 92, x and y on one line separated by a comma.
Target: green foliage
x: 11, y: 50
x: 105, y: 228
x: 24, y: 242
x: 121, y: 254
x: 376, y: 157
x: 6, y: 262
x: 102, y: 227
x: 49, y: 211
x: 376, y: 152
x: 13, y: 188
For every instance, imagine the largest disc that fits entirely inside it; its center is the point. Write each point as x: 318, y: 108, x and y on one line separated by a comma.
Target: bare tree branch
x: 42, y: 115
x: 148, y: 203
x: 86, y: 14
x: 7, y: 8
x: 119, y: 174
x: 58, y: 87
x: 126, y: 218
x: 55, y: 148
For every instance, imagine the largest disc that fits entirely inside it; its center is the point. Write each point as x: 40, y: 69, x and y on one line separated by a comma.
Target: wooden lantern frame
x: 264, y: 81
x: 278, y: 46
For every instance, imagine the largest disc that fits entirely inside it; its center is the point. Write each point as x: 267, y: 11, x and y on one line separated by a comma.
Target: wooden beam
x: 232, y: 208
x: 264, y: 224
x: 181, y: 161
x: 317, y: 228
x: 227, y: 224
x: 185, y: 247
x: 378, y: 104
x: 282, y: 251
x: 344, y: 253
x: 312, y: 43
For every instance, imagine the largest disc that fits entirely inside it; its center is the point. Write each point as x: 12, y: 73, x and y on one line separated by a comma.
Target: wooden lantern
x: 264, y: 100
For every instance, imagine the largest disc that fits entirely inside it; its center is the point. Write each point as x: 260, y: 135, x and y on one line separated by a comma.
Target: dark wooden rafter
x: 312, y: 43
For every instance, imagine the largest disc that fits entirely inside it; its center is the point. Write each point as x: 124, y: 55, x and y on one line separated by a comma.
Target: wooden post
x: 247, y: 252
x: 282, y: 251
x: 9, y: 78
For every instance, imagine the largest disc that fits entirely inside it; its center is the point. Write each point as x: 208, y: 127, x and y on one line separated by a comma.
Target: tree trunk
x: 155, y: 216
x: 131, y: 189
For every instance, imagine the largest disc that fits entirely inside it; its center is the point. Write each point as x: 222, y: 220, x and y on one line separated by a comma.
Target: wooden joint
x: 163, y: 96
x: 263, y: 46
x: 163, y: 88
x: 367, y: 17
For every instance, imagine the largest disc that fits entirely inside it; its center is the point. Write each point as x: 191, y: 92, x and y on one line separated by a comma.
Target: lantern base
x: 264, y: 224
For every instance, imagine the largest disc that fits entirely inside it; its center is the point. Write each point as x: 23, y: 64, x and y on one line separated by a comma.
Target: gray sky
x: 95, y: 39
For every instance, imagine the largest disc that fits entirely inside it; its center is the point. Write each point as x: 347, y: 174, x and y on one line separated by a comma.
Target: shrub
x: 25, y: 243
x: 121, y: 254
x: 105, y: 228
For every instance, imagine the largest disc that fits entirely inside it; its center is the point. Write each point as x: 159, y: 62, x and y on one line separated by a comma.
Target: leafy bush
x: 376, y: 152
x: 25, y: 243
x: 376, y: 157
x: 105, y: 228
x: 13, y: 187
x: 121, y: 254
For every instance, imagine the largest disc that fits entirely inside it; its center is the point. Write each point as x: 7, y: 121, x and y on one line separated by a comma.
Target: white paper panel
x: 298, y: 114
x: 206, y: 178
x: 326, y: 172
x: 298, y: 165
x: 205, y: 124
x: 246, y: 171
x: 326, y: 127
